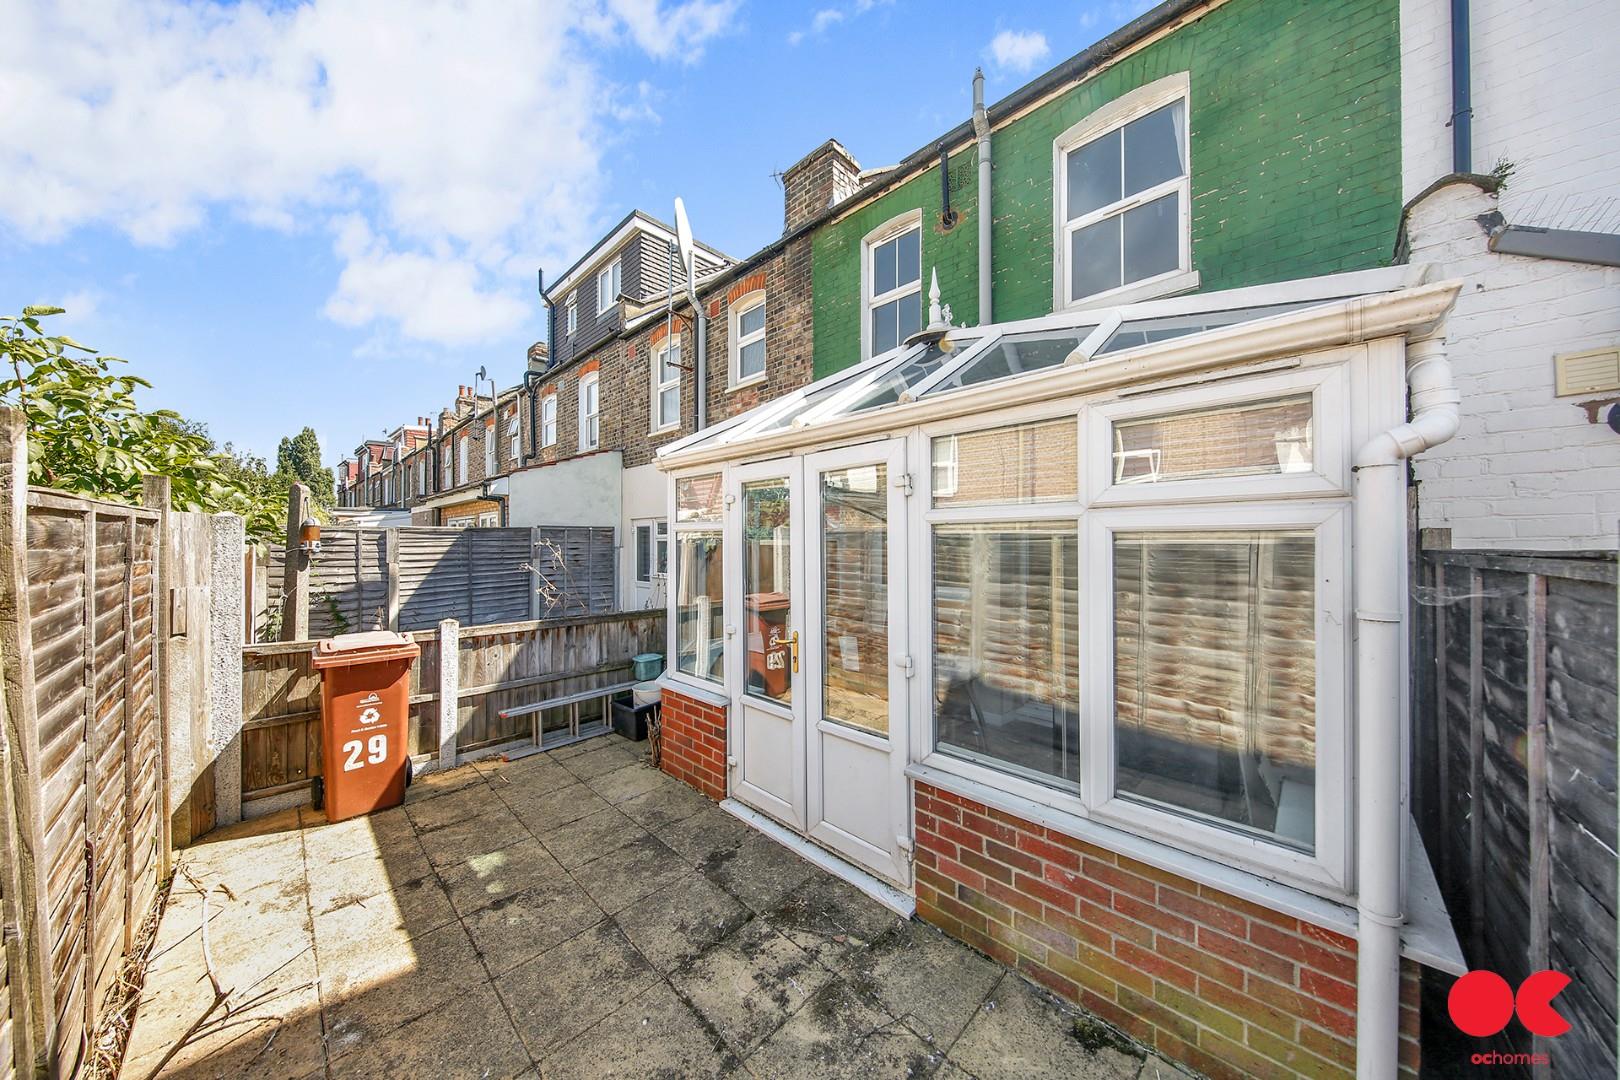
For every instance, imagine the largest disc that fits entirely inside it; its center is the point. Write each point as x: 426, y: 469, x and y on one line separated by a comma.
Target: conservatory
x: 1133, y: 574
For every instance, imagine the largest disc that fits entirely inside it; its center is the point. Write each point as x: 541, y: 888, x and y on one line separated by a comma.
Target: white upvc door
x: 856, y: 671
x: 764, y: 616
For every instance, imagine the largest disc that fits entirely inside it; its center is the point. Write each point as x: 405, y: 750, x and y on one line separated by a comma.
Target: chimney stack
x: 824, y: 177
x: 465, y: 401
x: 539, y: 356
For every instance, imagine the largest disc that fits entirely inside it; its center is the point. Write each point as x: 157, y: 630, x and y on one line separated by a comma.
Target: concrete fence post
x: 226, y: 539
x: 449, y: 690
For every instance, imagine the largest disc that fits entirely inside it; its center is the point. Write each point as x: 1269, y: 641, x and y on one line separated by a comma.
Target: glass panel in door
x: 767, y: 590
x: 855, y: 598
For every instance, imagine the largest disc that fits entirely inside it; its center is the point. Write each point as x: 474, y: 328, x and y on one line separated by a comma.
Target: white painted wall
x: 646, y: 495
x: 1526, y: 470
x: 576, y: 491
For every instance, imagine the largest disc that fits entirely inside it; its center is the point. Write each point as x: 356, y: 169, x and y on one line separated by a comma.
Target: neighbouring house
x: 1075, y: 619
x: 1510, y: 125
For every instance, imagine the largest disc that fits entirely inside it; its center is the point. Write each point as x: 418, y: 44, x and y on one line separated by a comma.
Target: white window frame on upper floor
x: 664, y: 381
x: 548, y: 420
x: 491, y: 449
x: 1113, y: 117
x: 448, y: 453
x: 737, y: 341
x: 461, y: 459
x: 608, y: 284
x: 889, y: 230
x: 590, y: 423
x: 514, y: 433
x: 571, y: 314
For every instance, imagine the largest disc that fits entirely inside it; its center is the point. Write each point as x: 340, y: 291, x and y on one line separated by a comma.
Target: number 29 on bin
x: 375, y: 749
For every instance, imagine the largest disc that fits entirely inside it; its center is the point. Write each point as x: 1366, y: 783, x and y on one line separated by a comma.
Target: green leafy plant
x: 87, y: 434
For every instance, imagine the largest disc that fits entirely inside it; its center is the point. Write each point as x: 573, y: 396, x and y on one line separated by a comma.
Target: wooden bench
x: 574, y: 732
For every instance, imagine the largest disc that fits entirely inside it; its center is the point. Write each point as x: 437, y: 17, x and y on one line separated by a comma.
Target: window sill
x: 683, y: 685
x: 1153, y: 289
x: 1426, y: 938
x: 752, y: 380
x: 663, y: 432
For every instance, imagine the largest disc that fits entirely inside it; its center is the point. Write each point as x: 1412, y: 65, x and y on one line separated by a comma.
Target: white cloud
x: 463, y: 139
x: 826, y: 18
x: 1019, y: 50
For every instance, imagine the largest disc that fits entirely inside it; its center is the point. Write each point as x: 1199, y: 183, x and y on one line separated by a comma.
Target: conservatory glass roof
x: 968, y: 357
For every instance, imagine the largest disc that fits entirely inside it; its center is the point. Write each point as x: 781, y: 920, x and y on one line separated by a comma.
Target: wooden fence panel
x: 501, y: 666
x: 1515, y: 718
x: 475, y: 576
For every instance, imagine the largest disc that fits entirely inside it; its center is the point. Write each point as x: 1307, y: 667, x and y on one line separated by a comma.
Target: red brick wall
x: 694, y: 742
x: 1226, y: 986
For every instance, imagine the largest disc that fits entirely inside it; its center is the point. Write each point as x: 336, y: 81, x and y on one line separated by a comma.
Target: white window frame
x: 703, y: 684
x: 742, y: 306
x: 461, y: 459
x: 448, y: 452
x: 590, y: 423
x: 514, y: 435
x: 1283, y: 503
x: 1111, y: 117
x: 889, y: 230
x: 491, y: 449
x: 571, y: 314
x: 548, y: 420
x: 608, y: 283
x: 659, y: 423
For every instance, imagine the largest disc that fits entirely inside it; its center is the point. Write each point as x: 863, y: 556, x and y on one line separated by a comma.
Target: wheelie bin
x: 365, y: 707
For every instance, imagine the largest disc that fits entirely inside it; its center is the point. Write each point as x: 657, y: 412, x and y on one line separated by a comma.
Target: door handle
x: 793, y: 645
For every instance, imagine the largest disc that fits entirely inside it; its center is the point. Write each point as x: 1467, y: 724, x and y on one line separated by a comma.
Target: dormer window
x: 607, y: 287
x: 571, y: 316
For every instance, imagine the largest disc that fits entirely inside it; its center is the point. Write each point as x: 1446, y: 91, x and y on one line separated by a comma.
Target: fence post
x: 449, y: 690
x: 155, y: 496
x: 226, y: 536
x: 533, y: 579
x: 295, y: 573
x: 391, y: 557
x: 22, y: 827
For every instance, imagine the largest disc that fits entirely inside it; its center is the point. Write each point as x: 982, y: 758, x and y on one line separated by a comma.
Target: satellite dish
x: 683, y: 243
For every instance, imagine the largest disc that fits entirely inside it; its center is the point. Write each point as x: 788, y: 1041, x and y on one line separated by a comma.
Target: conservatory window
x: 1006, y: 647
x: 1241, y: 440
x: 1215, y: 678
x: 1123, y: 193
x: 1022, y: 463
x: 699, y: 578
x: 892, y: 285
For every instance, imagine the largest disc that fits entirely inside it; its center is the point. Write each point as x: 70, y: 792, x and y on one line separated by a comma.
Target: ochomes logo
x: 1481, y: 1003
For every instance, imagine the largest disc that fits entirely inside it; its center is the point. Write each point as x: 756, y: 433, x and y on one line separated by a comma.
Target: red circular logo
x: 1480, y: 1003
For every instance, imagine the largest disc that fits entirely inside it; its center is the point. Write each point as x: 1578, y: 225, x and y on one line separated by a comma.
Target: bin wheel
x: 410, y: 772
x: 317, y: 793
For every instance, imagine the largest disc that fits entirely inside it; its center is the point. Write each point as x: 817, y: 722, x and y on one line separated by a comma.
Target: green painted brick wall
x: 1294, y: 136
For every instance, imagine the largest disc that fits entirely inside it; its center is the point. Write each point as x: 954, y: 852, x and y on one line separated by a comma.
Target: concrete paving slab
x: 483, y: 879
x: 542, y: 813
x: 253, y: 1046
x: 831, y: 919
x: 759, y: 871
x: 468, y: 802
x: 368, y: 991
x: 620, y: 878
x: 748, y: 985
x: 841, y: 1033
x: 681, y: 921
x: 664, y: 805
x: 519, y: 927
x: 1021, y: 1032
x: 578, y: 842
x: 388, y: 833
x: 704, y: 834
x: 469, y: 1036
x: 495, y: 828
x: 927, y: 980
x: 654, y: 1034
x: 628, y: 782
x: 432, y: 785
x: 566, y: 991
x: 539, y: 779
x: 344, y: 882
x: 410, y: 909
x: 601, y: 761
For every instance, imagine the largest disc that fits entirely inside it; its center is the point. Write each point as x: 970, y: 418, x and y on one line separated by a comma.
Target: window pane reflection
x: 1239, y: 440
x: 854, y: 537
x: 1006, y: 647
x: 1215, y: 678
x: 767, y: 592
x: 1023, y: 463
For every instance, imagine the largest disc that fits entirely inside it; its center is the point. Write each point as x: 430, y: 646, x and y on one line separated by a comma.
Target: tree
x: 87, y: 434
x: 299, y: 458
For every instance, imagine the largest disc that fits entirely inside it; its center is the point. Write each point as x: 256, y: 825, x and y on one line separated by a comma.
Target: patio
x: 575, y: 913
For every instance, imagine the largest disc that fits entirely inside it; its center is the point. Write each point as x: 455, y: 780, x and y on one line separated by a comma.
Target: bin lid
x: 367, y: 648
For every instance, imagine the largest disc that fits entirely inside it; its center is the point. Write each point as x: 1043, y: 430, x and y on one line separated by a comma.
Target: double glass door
x: 817, y: 636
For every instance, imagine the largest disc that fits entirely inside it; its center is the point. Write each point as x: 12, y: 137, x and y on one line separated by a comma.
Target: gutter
x: 1379, y: 519
x: 981, y: 128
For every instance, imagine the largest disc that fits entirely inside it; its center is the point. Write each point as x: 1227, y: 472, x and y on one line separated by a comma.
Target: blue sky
x: 331, y: 213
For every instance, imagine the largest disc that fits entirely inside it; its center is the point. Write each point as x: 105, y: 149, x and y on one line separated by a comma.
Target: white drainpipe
x: 1380, y: 472
x: 981, y: 128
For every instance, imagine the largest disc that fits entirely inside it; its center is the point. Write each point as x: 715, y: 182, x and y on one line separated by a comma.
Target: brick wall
x: 1226, y: 986
x: 1294, y: 130
x: 694, y: 742
x: 1526, y: 469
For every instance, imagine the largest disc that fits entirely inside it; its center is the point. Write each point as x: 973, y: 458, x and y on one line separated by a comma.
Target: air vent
x: 1587, y: 372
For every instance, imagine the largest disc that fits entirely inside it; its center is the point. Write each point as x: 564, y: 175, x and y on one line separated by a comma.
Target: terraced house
x: 1060, y: 616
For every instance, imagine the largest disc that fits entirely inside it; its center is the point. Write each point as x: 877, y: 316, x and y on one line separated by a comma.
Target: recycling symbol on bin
x: 370, y: 716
